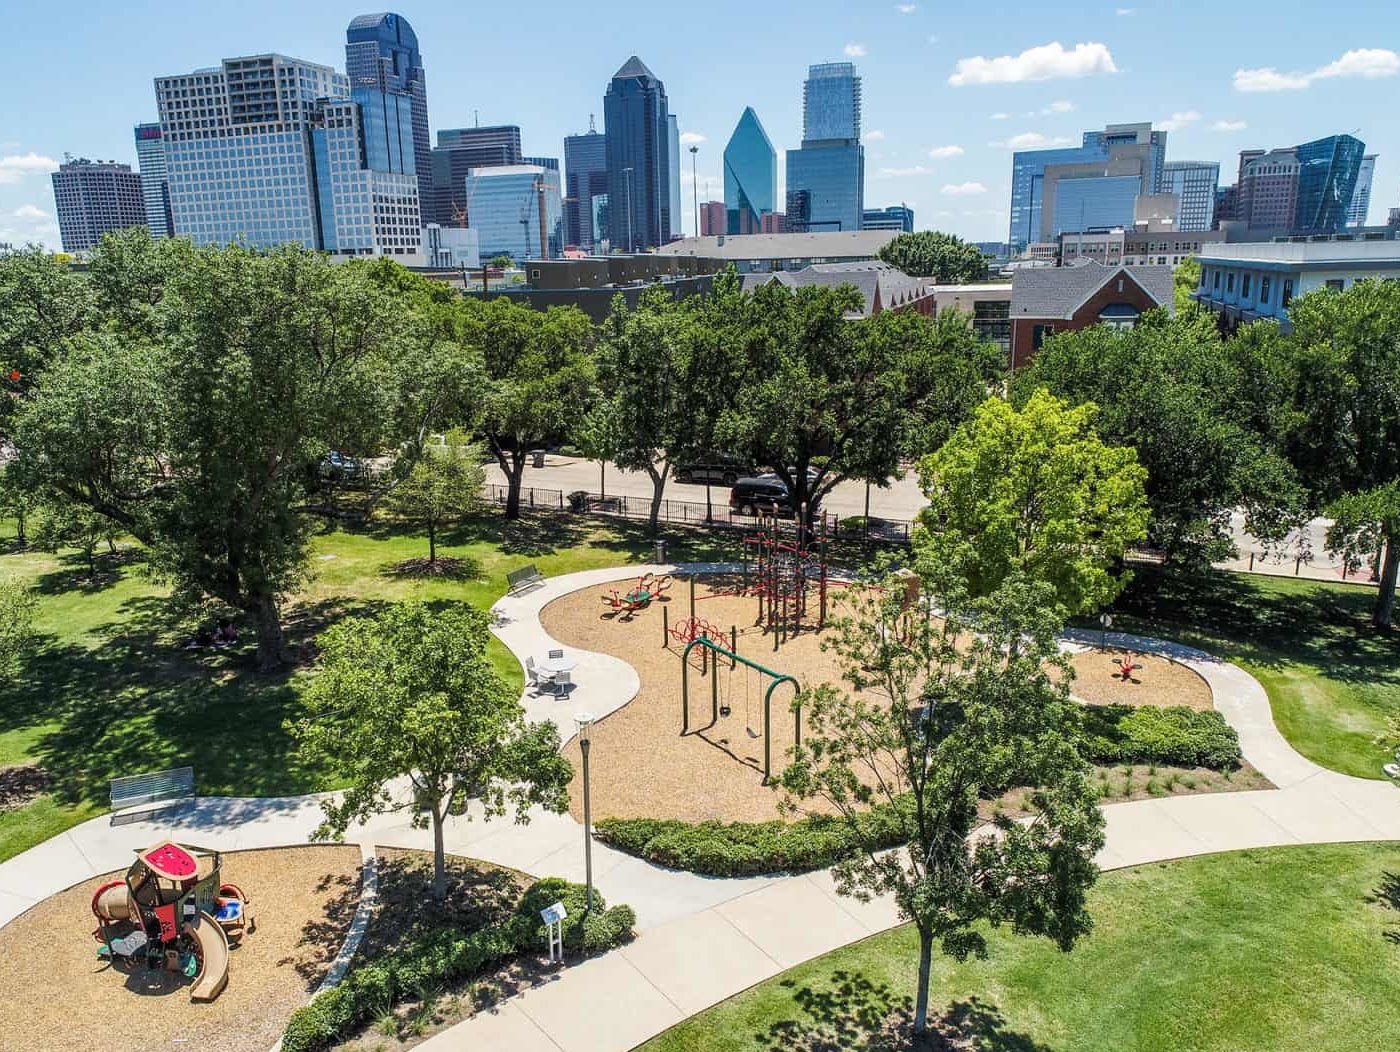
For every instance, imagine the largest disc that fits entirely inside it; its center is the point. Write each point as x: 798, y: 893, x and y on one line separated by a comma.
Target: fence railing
x: 717, y: 515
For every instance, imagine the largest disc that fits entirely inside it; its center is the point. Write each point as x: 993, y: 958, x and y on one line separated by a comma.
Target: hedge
x: 1114, y: 734
x: 449, y: 954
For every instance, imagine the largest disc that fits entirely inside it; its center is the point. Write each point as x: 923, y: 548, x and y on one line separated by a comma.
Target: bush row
x: 450, y: 954
x: 1177, y: 735
x: 1114, y: 734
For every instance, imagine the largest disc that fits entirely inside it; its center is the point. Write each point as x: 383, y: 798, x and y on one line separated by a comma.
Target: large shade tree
x: 945, y: 258
x: 1344, y: 367
x: 407, y: 706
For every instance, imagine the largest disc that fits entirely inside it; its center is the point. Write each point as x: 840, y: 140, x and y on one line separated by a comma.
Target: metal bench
x: 525, y: 577
x: 153, y: 787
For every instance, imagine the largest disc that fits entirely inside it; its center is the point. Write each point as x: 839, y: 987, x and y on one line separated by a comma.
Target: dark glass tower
x: 750, y: 176
x: 638, y: 129
x: 828, y: 172
x: 1328, y: 170
x: 585, y: 188
x: 458, y: 151
x: 381, y: 53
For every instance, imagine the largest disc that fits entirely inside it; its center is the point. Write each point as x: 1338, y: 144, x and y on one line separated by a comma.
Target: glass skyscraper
x: 1360, y: 197
x: 637, y: 125
x: 505, y: 211
x: 458, y: 151
x: 585, y: 181
x: 267, y: 149
x: 155, y: 188
x: 94, y: 197
x: 826, y: 175
x: 381, y: 53
x: 1327, y: 176
x: 750, y: 176
x: 1195, y: 184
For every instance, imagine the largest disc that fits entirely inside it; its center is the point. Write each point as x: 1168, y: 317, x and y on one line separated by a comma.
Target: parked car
x: 714, y: 467
x: 342, y: 466
x: 753, y: 496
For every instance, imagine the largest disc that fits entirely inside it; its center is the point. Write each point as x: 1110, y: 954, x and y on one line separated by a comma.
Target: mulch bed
x: 58, y: 995
x: 21, y: 784
x: 1160, y: 682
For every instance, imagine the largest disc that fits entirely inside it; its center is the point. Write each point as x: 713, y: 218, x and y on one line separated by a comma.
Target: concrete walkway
x: 704, y: 939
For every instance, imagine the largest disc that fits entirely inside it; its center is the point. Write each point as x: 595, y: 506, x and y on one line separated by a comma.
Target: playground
x: 74, y: 999
x: 1151, y: 680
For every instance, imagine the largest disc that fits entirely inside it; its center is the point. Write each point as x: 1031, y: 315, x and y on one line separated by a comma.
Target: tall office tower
x: 1361, y: 196
x: 267, y: 149
x: 458, y: 151
x: 552, y: 163
x: 1194, y: 183
x: 516, y: 211
x: 381, y: 53
x: 712, y: 218
x: 1328, y: 170
x: 899, y: 218
x: 155, y: 187
x: 93, y: 197
x: 675, y: 172
x: 750, y: 176
x: 585, y: 182
x: 1267, y: 194
x: 1103, y: 176
x: 637, y: 125
x: 827, y: 173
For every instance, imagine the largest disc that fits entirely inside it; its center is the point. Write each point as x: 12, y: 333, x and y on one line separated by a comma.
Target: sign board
x: 553, y: 914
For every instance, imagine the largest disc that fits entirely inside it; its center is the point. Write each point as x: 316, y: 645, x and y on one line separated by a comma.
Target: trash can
x: 537, y: 458
x: 661, y: 552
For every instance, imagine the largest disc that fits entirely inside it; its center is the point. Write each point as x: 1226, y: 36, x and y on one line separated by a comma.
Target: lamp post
x: 583, y: 721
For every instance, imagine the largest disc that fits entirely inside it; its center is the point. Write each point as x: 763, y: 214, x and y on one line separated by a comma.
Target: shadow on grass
x: 1388, y: 896
x: 444, y: 568
x: 859, y: 1014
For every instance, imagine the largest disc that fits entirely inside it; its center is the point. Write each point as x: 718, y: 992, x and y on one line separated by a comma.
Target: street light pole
x: 584, y: 721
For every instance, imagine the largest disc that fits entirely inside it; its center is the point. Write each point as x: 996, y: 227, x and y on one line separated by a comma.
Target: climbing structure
x: 783, y: 572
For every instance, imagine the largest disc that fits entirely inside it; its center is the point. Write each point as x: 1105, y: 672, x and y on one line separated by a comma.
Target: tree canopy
x: 946, y: 258
x: 1035, y: 493
x: 17, y: 605
x: 442, y: 488
x: 410, y: 694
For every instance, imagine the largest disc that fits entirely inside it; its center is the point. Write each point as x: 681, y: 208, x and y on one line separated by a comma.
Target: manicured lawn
x: 1332, y: 678
x: 1275, y: 950
x: 111, y: 691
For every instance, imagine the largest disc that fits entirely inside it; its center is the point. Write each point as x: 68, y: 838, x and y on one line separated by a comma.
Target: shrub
x: 1178, y: 736
x: 449, y: 954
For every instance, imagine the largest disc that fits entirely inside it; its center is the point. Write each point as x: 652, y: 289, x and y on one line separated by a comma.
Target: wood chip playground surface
x: 642, y: 767
x: 56, y: 994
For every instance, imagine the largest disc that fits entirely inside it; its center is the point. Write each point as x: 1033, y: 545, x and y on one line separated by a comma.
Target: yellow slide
x: 213, y: 957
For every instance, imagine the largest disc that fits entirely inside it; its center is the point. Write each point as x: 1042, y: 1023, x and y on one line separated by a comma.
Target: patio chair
x: 556, y: 653
x: 538, y: 678
x: 563, y: 682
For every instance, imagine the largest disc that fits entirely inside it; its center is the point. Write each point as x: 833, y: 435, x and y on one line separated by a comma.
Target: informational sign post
x: 553, y: 917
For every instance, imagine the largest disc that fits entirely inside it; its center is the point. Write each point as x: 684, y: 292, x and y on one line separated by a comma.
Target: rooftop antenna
x: 591, y: 129
x: 476, y: 118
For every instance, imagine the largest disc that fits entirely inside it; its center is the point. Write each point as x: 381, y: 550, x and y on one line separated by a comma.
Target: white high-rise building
x: 1361, y: 196
x: 1194, y: 183
x: 155, y: 189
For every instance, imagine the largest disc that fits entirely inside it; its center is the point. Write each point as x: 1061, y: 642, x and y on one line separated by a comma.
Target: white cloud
x: 898, y: 173
x: 854, y: 50
x: 875, y: 136
x: 906, y: 9
x: 29, y: 225
x: 1229, y: 126
x: 29, y: 212
x: 1368, y: 63
x: 940, y: 153
x: 1178, y: 120
x: 1059, y: 106
x: 1123, y: 12
x: 1033, y: 141
x: 691, y: 138
x: 963, y: 189
x: 1001, y: 116
x: 933, y: 38
x: 15, y: 166
x: 1046, y: 62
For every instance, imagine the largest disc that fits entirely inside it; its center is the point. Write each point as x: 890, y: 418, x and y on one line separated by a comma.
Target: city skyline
x: 941, y: 116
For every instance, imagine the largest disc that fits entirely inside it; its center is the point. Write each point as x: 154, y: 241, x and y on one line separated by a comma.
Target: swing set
x: 710, y: 653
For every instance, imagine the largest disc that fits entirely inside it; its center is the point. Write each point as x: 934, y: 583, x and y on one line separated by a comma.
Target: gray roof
x: 843, y: 244
x: 634, y: 67
x: 895, y: 287
x: 1057, y: 292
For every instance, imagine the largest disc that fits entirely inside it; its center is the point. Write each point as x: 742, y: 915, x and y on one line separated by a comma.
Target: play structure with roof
x: 171, y: 911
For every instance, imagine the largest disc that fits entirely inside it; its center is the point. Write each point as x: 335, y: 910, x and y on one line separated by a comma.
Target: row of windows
x: 1265, y: 287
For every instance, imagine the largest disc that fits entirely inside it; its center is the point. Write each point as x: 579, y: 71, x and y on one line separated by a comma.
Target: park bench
x: 153, y: 787
x: 525, y: 577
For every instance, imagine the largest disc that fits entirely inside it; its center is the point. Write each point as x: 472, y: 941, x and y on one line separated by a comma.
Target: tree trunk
x: 267, y: 624
x: 1390, y: 570
x: 658, y: 488
x: 20, y: 537
x: 439, y: 857
x: 432, y: 543
x: 921, y: 1000
x: 515, y: 475
x: 90, y: 553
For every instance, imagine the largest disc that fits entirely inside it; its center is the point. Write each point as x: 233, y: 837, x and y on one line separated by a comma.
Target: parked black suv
x: 768, y: 496
x: 714, y: 467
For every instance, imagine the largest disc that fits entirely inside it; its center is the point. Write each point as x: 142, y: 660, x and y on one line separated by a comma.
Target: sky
x: 950, y: 89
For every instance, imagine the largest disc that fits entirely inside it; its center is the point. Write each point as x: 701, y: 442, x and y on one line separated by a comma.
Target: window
x: 1244, y: 286
x: 1287, y: 292
x: 1337, y: 283
x: 1038, y: 334
x: 1264, y: 290
x: 1216, y: 283
x: 1229, y: 282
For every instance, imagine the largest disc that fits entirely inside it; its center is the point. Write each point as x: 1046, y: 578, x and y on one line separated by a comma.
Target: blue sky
x: 948, y: 88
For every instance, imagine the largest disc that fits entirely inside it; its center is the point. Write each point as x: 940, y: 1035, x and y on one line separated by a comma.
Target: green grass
x: 111, y: 691
x: 1332, y: 677
x: 1275, y: 950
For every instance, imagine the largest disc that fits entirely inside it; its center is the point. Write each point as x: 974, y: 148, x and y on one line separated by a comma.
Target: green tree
x: 804, y: 387
x: 539, y: 373
x: 1186, y: 278
x: 948, y: 715
x: 1033, y: 492
x: 1344, y: 354
x: 15, y: 502
x: 410, y: 695
x: 501, y: 262
x: 443, y: 488
x: 946, y: 258
x: 66, y: 524
x: 44, y: 308
x: 17, y: 606
x: 1205, y: 415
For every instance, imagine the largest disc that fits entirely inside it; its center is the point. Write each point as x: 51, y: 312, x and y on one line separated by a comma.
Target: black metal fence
x: 717, y: 515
